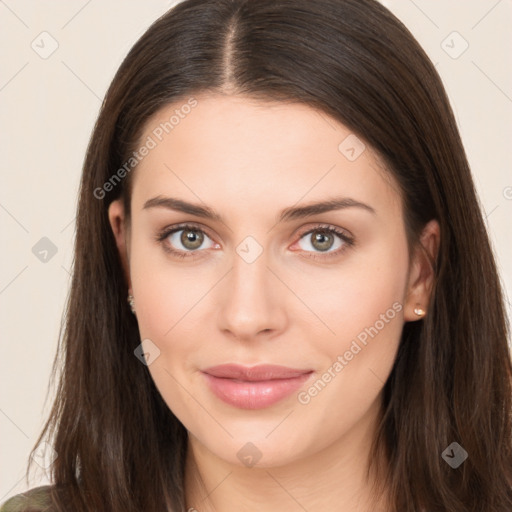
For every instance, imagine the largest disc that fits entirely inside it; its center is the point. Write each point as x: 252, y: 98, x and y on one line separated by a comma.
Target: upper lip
x: 254, y: 373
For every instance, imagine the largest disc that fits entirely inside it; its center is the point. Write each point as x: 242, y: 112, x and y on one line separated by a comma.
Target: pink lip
x: 254, y: 387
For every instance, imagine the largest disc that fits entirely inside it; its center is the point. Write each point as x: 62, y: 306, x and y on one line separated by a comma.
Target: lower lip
x: 254, y: 394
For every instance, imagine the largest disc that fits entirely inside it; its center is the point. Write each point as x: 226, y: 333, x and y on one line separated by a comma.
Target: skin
x: 249, y: 160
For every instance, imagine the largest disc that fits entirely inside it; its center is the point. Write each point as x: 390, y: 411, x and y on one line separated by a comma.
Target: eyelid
x: 328, y: 227
x: 168, y: 230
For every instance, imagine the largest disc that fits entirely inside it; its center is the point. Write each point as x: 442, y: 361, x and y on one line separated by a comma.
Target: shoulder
x: 36, y: 499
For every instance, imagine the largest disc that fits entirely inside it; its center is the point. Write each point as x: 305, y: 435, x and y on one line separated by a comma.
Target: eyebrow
x: 292, y: 213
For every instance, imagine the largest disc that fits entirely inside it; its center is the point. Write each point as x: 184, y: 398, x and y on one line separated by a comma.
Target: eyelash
x: 166, y: 232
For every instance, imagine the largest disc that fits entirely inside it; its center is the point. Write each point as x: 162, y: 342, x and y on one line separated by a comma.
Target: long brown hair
x: 119, y: 446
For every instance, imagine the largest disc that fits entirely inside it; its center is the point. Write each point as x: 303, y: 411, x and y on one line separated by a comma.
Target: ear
x: 117, y: 219
x: 421, y: 272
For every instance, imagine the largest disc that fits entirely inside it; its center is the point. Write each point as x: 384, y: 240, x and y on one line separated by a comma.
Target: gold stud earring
x: 131, y: 302
x: 418, y: 310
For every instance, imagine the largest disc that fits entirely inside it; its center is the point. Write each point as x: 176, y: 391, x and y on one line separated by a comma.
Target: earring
x: 131, y: 302
x: 419, y: 311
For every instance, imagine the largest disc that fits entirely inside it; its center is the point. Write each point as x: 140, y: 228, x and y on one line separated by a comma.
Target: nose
x: 251, y: 301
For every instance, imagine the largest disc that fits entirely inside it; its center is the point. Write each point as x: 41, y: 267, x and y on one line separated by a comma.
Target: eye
x: 192, y: 237
x: 189, y: 236
x: 323, y: 239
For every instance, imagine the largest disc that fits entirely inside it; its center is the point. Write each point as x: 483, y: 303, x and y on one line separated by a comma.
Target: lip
x: 254, y: 387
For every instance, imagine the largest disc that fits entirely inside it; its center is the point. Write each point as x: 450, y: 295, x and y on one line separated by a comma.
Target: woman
x: 283, y: 295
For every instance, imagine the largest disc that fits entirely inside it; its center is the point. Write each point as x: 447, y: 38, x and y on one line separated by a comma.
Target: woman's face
x: 262, y: 283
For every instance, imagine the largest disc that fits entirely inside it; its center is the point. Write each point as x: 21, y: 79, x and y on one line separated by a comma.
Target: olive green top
x: 36, y: 499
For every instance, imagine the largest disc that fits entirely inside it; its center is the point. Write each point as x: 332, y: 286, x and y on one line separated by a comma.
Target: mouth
x: 254, y: 387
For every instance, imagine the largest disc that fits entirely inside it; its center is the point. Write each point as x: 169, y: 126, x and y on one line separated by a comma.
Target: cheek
x: 164, y: 292
x: 164, y: 297
x: 365, y: 290
x: 363, y: 305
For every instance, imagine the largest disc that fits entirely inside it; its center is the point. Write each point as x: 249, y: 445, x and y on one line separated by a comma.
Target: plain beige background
x: 58, y: 58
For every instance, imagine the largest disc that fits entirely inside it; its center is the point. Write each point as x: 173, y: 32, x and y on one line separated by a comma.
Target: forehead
x: 228, y: 149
